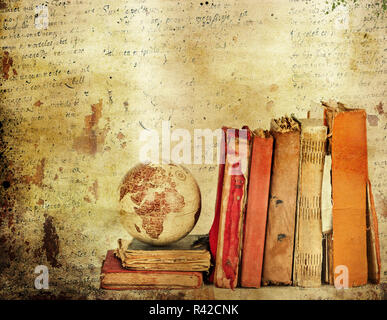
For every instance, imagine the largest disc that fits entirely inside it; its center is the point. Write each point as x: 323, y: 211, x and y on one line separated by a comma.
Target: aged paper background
x: 76, y: 95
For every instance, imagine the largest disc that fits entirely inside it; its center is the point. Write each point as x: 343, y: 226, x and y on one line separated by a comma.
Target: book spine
x: 213, y: 233
x: 278, y: 256
x: 153, y: 284
x: 232, y: 209
x: 349, y: 177
x: 326, y: 220
x: 373, y: 247
x: 256, y: 213
x: 308, y: 238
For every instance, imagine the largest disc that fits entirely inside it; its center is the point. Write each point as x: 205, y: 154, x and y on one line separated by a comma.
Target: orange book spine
x: 349, y: 179
x: 256, y: 214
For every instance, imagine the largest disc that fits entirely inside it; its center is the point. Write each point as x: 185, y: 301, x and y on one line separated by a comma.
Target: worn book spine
x: 180, y: 260
x: 373, y: 247
x: 214, y: 231
x: 188, y: 254
x: 308, y: 252
x: 278, y: 255
x: 326, y: 219
x: 115, y: 277
x: 151, y: 280
x: 232, y: 207
x: 349, y: 179
x: 256, y: 213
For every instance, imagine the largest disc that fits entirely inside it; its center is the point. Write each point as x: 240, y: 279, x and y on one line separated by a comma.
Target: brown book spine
x: 256, y: 213
x: 278, y: 256
x: 349, y: 178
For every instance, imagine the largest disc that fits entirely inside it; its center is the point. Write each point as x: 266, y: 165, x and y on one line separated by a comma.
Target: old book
x: 214, y: 230
x: 326, y: 221
x: 229, y: 217
x: 373, y: 247
x: 308, y: 234
x: 256, y: 213
x: 187, y: 254
x: 115, y: 277
x: 278, y: 255
x: 349, y: 179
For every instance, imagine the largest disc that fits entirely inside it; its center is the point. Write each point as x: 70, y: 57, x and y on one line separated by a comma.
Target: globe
x: 159, y: 203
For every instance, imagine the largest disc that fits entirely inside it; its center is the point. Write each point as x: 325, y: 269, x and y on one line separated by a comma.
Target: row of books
x: 302, y: 212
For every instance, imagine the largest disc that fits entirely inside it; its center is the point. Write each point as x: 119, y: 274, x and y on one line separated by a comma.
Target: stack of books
x: 301, y: 212
x: 137, y: 265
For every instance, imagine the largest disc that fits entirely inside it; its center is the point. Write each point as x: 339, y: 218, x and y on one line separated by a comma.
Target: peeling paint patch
x: 7, y: 64
x: 372, y: 120
x: 120, y: 136
x: 51, y: 242
x: 94, y: 190
x: 379, y: 108
x: 37, y: 178
x: 93, y: 137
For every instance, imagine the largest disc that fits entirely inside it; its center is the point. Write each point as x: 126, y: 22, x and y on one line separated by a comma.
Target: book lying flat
x: 278, y: 256
x: 256, y: 212
x: 231, y: 201
x: 308, y: 254
x: 115, y: 277
x: 187, y: 254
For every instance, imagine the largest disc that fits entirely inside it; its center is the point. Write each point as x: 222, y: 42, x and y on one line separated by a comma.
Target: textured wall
x: 74, y: 98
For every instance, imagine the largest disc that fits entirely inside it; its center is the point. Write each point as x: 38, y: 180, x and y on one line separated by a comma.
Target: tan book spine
x: 308, y: 239
x: 326, y: 219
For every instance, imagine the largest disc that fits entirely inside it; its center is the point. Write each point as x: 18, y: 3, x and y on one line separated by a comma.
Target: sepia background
x: 74, y: 98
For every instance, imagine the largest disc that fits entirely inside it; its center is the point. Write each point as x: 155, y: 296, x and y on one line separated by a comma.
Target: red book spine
x: 231, y: 206
x: 256, y: 214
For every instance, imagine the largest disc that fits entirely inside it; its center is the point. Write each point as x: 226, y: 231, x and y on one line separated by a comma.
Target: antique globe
x: 159, y: 204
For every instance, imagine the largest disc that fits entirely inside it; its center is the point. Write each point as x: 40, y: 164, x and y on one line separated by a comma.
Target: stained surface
x: 75, y: 97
